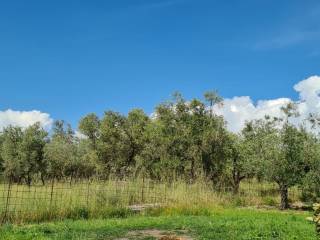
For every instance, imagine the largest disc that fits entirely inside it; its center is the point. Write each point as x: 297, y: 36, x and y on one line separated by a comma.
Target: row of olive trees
x: 182, y: 140
x: 186, y: 139
x: 30, y: 154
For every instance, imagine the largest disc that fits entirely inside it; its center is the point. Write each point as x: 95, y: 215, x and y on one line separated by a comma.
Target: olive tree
x: 1, y: 159
x: 240, y: 163
x: 310, y: 185
x: 31, y: 154
x: 61, y: 152
x: 89, y: 126
x: 113, y: 145
x: 279, y: 148
x: 12, y: 137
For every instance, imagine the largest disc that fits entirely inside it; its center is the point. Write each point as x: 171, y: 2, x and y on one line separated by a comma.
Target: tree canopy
x: 181, y: 140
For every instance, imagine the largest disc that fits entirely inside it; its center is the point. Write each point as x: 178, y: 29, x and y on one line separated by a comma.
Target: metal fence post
x: 51, y: 193
x: 142, y: 191
x: 7, y: 203
x: 88, y: 192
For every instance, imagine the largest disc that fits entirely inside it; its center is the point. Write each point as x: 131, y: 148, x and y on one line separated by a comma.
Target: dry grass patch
x: 157, y: 234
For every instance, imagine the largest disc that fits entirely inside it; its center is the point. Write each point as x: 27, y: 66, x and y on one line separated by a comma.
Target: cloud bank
x: 24, y: 118
x: 237, y: 110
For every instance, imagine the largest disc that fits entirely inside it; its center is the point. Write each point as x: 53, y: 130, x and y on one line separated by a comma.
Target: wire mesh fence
x: 60, y: 199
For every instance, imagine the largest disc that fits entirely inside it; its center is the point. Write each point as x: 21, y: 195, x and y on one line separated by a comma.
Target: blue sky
x: 69, y: 58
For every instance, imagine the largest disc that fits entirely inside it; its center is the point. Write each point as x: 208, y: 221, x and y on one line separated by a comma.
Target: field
x: 194, y: 224
x: 93, y: 199
x: 127, y: 210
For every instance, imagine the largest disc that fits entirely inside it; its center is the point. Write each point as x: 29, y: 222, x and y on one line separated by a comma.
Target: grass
x: 96, y: 199
x: 203, y: 224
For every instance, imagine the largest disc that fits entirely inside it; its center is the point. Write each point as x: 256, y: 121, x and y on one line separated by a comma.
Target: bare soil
x: 157, y: 234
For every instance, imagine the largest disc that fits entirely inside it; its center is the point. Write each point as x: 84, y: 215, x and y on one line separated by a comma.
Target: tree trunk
x: 42, y: 179
x: 192, y: 172
x: 236, y: 187
x: 28, y: 180
x: 71, y: 178
x: 284, y: 197
x: 237, y: 177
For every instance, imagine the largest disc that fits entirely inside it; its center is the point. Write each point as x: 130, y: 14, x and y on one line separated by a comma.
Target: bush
x: 119, y: 212
x: 310, y: 188
x: 270, y: 201
x: 239, y: 202
x: 78, y: 213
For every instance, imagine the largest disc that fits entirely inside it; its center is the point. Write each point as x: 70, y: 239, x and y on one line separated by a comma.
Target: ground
x: 220, y: 224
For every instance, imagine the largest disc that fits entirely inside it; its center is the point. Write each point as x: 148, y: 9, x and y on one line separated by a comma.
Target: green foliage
x: 270, y: 201
x: 1, y: 159
x: 182, y: 141
x: 278, y: 147
x: 31, y: 152
x: 113, y: 145
x: 89, y: 126
x: 310, y: 185
x: 12, y: 137
x: 60, y: 156
x: 22, y: 153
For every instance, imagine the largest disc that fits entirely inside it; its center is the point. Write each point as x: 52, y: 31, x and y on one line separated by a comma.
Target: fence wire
x: 64, y: 199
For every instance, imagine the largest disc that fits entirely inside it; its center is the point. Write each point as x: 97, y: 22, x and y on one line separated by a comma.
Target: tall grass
x: 87, y: 199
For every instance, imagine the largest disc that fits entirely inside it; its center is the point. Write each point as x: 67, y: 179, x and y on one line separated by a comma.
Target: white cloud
x: 24, y: 118
x: 79, y: 135
x: 237, y: 110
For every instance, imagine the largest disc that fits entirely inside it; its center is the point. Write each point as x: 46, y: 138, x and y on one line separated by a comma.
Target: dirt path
x: 157, y: 234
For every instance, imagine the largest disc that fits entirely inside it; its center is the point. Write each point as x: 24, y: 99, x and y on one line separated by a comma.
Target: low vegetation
x: 316, y: 218
x: 196, y: 224
x: 94, y: 199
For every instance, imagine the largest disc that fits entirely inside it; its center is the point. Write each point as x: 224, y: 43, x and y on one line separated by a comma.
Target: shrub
x: 78, y: 213
x: 316, y: 218
x: 270, y: 201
